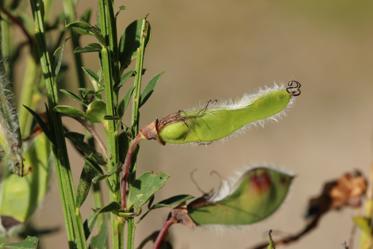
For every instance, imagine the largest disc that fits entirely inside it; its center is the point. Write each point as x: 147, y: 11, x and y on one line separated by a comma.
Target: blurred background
x: 220, y: 49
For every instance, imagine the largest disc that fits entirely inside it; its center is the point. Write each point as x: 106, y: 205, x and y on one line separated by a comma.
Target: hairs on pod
x: 228, y: 186
x: 8, y: 116
x: 244, y: 101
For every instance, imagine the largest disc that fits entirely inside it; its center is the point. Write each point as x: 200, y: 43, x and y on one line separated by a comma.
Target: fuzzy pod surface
x: 10, y: 136
x: 219, y: 121
x: 257, y: 194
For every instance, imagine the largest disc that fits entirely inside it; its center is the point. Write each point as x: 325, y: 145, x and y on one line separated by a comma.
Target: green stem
x: 110, y: 72
x: 5, y: 38
x: 73, y: 222
x: 136, y: 116
x: 69, y: 9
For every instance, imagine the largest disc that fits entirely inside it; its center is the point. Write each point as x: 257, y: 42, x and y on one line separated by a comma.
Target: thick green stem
x: 110, y: 73
x: 136, y: 116
x: 73, y: 222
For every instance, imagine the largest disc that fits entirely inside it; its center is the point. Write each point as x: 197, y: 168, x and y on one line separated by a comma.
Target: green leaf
x: 130, y: 41
x: 99, y: 241
x: 85, y: 149
x: 173, y: 201
x: 93, y: 77
x: 149, y: 89
x: 89, y: 224
x: 364, y: 224
x: 72, y: 95
x: 90, y: 48
x: 85, y: 28
x: 144, y: 187
x: 69, y: 111
x: 170, y: 202
x: 86, y: 16
x: 57, y: 58
x: 123, y: 104
x: 125, y: 77
x: 85, y: 182
x: 41, y: 123
x: 257, y: 194
x: 28, y: 243
x: 96, y: 111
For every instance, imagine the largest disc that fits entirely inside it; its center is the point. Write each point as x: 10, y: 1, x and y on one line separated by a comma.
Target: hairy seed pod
x: 257, y: 194
x: 216, y: 121
x: 10, y: 137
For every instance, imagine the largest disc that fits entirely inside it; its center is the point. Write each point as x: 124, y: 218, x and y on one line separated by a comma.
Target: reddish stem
x: 126, y: 169
x: 162, y: 234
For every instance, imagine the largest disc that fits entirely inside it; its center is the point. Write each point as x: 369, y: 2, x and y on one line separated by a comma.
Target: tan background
x: 223, y: 49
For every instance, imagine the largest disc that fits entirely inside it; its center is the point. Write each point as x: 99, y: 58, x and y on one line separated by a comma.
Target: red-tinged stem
x: 162, y: 234
x: 126, y: 169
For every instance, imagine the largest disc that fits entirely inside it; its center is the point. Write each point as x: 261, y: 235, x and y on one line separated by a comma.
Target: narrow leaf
x: 149, y: 89
x: 123, y: 104
x: 72, y: 95
x: 90, y: 48
x: 85, y: 28
x: 144, y: 187
x: 69, y: 111
x: 93, y: 77
x: 130, y: 41
x: 85, y: 182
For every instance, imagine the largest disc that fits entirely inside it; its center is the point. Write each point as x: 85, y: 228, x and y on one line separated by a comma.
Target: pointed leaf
x: 72, y: 95
x: 57, y: 58
x: 123, y: 104
x: 96, y: 111
x: 69, y: 111
x: 85, y: 182
x: 85, y: 28
x: 89, y: 224
x: 93, y: 77
x: 149, y: 89
x: 130, y: 40
x: 90, y: 48
x: 257, y: 194
x: 173, y: 201
x: 87, y: 151
x: 41, y: 123
x: 144, y: 187
x: 125, y: 77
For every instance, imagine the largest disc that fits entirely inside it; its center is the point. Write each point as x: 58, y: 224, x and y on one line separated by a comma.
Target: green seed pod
x: 217, y: 121
x: 257, y: 194
x: 20, y: 196
x: 10, y: 136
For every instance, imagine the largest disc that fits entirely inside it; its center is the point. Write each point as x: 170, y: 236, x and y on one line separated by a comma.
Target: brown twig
x: 126, y: 168
x: 163, y: 232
